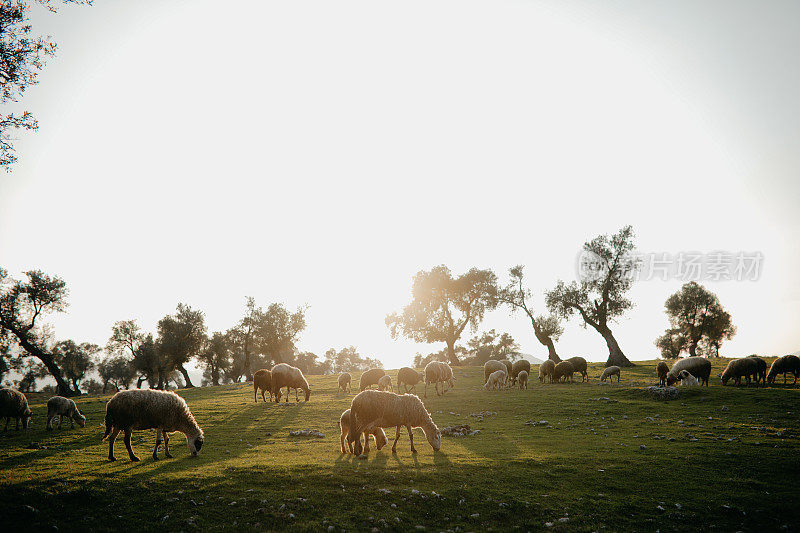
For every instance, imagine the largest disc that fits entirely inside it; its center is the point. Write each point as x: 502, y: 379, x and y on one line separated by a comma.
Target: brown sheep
x: 372, y: 409
x: 609, y: 373
x: 385, y: 383
x: 580, y: 366
x: 762, y: 369
x: 508, y: 365
x: 344, y: 426
x: 546, y: 370
x: 408, y: 376
x: 14, y: 404
x: 490, y: 366
x: 699, y: 367
x: 738, y: 369
x: 262, y: 379
x: 788, y: 364
x: 344, y: 382
x: 370, y: 378
x: 518, y: 367
x: 291, y: 377
x: 564, y: 369
x: 662, y: 369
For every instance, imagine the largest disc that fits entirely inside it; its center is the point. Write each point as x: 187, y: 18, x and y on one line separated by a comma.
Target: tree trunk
x: 215, y: 377
x: 189, y: 383
x: 693, y: 348
x: 248, y: 375
x: 551, y: 349
x: 140, y: 381
x: 52, y: 367
x: 451, y: 353
x: 615, y: 355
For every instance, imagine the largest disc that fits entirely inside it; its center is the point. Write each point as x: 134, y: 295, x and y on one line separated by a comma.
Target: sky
x: 322, y: 153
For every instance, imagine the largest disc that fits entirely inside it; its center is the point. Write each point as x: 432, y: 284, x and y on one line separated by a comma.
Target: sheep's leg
x: 166, y: 446
x: 341, y: 441
x: 366, y: 440
x: 111, y: 440
x: 296, y: 399
x: 127, y: 440
x: 158, y: 443
x: 49, y: 424
x: 396, y: 438
x: 411, y: 438
x: 287, y: 394
x: 60, y: 418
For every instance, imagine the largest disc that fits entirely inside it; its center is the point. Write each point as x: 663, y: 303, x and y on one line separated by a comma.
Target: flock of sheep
x: 370, y: 410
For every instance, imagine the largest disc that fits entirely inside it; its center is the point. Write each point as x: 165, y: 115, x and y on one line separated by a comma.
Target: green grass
x: 599, y: 464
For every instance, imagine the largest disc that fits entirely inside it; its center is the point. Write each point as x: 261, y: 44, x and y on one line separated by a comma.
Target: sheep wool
x: 564, y: 370
x: 291, y: 377
x: 762, y: 369
x: 492, y: 365
x: 344, y: 425
x: 522, y: 377
x: 699, y: 367
x: 163, y: 411
x: 519, y: 366
x: 788, y: 364
x: 408, y: 377
x: 262, y: 380
x: 580, y: 366
x: 385, y: 383
x: 14, y: 404
x: 63, y: 407
x: 546, y: 370
x: 610, y: 372
x: 370, y: 378
x: 497, y: 380
x: 738, y: 369
x: 438, y: 372
x: 662, y: 369
x: 344, y: 382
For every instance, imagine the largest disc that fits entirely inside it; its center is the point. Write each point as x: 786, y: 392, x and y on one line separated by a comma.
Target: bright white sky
x: 324, y: 152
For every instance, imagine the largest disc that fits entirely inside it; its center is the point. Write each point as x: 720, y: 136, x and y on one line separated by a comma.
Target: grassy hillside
x: 599, y: 457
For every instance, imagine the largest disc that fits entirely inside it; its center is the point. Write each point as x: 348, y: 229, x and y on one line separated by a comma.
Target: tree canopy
x: 181, y: 337
x: 698, y: 319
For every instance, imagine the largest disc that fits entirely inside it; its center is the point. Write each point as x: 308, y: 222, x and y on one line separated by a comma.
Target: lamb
x: 523, y: 379
x: 262, y: 379
x: 492, y: 365
x: 14, y: 404
x: 687, y: 379
x: 61, y: 407
x: 372, y: 409
x: 344, y: 425
x: 408, y: 376
x: 788, y: 364
x: 163, y: 411
x: 662, y: 369
x: 344, y: 382
x: 564, y: 369
x: 546, y: 370
x: 497, y: 380
x: 438, y: 372
x: 579, y: 364
x: 385, y: 383
x: 609, y: 373
x: 699, y: 367
x: 291, y: 377
x: 517, y: 367
x: 739, y: 368
x: 762, y: 369
x: 370, y: 378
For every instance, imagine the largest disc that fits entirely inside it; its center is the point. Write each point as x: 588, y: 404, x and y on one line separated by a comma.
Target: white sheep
x: 373, y: 409
x: 438, y: 372
x: 61, y: 407
x: 688, y: 380
x: 497, y: 380
x: 291, y: 377
x: 522, y: 377
x: 385, y: 383
x: 163, y: 411
x: 609, y: 373
x: 344, y: 426
x: 14, y: 404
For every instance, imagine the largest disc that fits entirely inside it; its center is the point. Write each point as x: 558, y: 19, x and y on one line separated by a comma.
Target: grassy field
x: 600, y: 457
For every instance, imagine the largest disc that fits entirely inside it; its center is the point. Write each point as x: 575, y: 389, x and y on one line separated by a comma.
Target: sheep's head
x: 434, y: 438
x: 195, y: 443
x: 81, y: 419
x: 380, y: 439
x: 26, y: 417
x: 724, y: 378
x: 308, y: 393
x: 671, y: 380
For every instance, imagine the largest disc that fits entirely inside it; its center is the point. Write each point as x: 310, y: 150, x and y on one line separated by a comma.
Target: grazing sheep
x: 163, y: 411
x: 344, y: 382
x: 291, y: 377
x: 438, y: 372
x: 385, y: 383
x: 762, y: 369
x: 370, y: 378
x: 546, y: 370
x: 788, y: 364
x: 492, y: 365
x: 344, y: 425
x: 14, y: 404
x: 739, y: 368
x: 497, y: 380
x: 687, y: 379
x: 523, y: 379
x: 662, y: 369
x: 61, y: 407
x: 580, y: 366
x: 372, y: 409
x: 262, y: 379
x: 408, y: 377
x: 609, y: 373
x: 564, y: 369
x: 517, y: 367
x: 508, y: 365
x: 699, y: 367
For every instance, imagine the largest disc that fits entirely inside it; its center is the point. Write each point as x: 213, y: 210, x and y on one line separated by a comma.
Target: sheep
x: 739, y: 368
x: 385, y: 383
x: 508, y: 365
x: 291, y: 377
x: 370, y: 378
x: 523, y: 379
x: 609, y: 373
x: 262, y: 379
x: 408, y: 376
x: 564, y: 369
x: 699, y: 367
x: 497, y: 380
x: 61, y: 407
x: 344, y: 382
x: 344, y: 426
x: 438, y: 372
x: 762, y: 369
x: 662, y: 369
x: 687, y: 379
x: 788, y: 364
x: 517, y: 367
x: 579, y: 364
x: 14, y: 404
x: 163, y: 411
x: 546, y: 370
x: 371, y: 409
x: 492, y: 365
